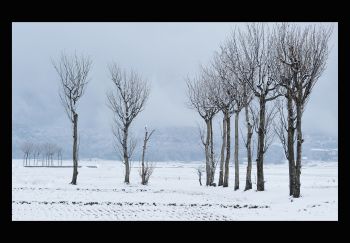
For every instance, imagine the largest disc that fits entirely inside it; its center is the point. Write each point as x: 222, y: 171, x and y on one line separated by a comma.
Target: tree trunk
x: 127, y: 173
x: 207, y: 154
x: 296, y: 191
x: 212, y: 160
x: 290, y: 144
x: 143, y: 176
x: 261, y: 140
x: 248, y: 182
x: 228, y: 144
x: 75, y: 155
x: 236, y: 153
x: 222, y: 159
x: 126, y: 157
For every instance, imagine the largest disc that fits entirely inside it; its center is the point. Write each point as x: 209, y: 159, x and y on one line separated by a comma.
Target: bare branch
x: 73, y: 75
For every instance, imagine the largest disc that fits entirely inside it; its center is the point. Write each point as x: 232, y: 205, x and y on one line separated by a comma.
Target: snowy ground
x: 173, y: 193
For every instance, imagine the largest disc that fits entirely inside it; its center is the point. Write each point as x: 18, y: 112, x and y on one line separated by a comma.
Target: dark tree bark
x: 126, y: 156
x: 236, y: 153
x: 222, y: 157
x: 228, y: 148
x: 207, y: 152
x: 287, y: 126
x: 212, y: 159
x: 261, y: 140
x: 143, y: 175
x: 75, y: 146
x: 290, y: 146
x: 248, y: 184
x: 299, y: 108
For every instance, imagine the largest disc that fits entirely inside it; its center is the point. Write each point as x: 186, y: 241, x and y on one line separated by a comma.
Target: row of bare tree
x: 267, y: 71
x: 44, y: 153
x: 126, y: 100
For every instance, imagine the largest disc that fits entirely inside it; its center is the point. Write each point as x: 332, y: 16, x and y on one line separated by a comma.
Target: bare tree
x: 59, y: 155
x: 239, y: 64
x: 147, y: 168
x: 44, y: 154
x: 51, y: 152
x: 27, y: 149
x: 256, y: 41
x: 239, y: 105
x: 247, y: 140
x: 199, y: 96
x: 47, y: 151
x: 285, y: 130
x: 223, y: 96
x: 235, y: 89
x: 223, y: 149
x: 301, y: 55
x: 213, y: 161
x: 36, y: 153
x: 199, y: 171
x: 126, y: 102
x: 73, y: 74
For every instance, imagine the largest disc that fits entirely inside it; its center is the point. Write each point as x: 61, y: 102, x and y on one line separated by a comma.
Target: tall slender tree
x: 27, y: 149
x: 302, y: 53
x: 239, y: 64
x: 126, y: 101
x: 147, y: 168
x: 73, y: 74
x: 257, y: 42
x: 223, y: 95
x: 199, y: 97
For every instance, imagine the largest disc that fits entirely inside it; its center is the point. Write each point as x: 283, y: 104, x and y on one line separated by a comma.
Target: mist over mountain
x: 173, y: 143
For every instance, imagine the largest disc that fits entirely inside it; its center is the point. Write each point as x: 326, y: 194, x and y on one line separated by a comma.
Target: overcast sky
x: 163, y: 53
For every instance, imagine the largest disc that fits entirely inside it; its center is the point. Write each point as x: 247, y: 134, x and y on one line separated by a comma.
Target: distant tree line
x: 45, y: 154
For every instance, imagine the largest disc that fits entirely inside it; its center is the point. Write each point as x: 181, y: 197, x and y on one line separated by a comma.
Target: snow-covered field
x: 173, y: 193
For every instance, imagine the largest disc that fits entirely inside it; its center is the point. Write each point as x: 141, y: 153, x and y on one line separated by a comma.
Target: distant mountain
x: 167, y: 143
